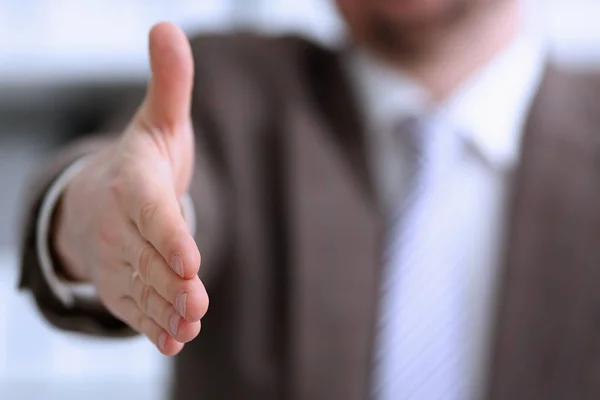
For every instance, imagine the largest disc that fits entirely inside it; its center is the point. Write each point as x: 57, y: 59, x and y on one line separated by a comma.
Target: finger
x: 188, y: 296
x: 168, y: 100
x: 157, y: 215
x: 163, y: 313
x: 127, y: 310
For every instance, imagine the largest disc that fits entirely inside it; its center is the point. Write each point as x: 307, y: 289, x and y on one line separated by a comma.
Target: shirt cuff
x: 64, y: 290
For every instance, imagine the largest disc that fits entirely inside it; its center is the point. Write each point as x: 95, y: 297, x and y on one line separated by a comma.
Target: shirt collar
x: 489, y: 110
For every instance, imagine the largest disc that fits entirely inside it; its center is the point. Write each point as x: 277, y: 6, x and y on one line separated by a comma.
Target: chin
x: 405, y: 13
x: 411, y: 10
x: 404, y: 27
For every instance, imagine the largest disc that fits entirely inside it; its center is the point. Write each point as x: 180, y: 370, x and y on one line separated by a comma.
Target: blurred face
x: 404, y: 27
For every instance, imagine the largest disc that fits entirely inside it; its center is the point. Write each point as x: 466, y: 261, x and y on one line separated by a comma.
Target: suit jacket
x: 291, y: 236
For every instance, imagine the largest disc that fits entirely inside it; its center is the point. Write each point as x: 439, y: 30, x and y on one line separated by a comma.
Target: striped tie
x: 419, y: 353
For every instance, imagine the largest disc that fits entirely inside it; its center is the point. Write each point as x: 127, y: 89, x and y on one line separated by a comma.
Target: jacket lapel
x: 547, y: 336
x: 334, y: 240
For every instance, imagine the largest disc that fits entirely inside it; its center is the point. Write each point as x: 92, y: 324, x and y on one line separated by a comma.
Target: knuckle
x: 145, y: 299
x: 121, y: 177
x: 145, y: 260
x: 116, y: 185
x: 148, y: 212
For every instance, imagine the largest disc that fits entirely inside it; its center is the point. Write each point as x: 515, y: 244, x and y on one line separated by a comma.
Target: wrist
x: 61, y: 249
x: 63, y: 241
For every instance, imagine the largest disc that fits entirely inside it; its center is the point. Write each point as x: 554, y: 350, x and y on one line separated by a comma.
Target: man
x: 416, y: 216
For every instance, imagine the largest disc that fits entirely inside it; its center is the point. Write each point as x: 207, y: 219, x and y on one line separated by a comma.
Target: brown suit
x: 291, y: 236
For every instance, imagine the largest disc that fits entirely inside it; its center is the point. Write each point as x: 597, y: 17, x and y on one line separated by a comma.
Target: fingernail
x: 177, y: 264
x: 180, y: 301
x: 162, y: 339
x: 174, y: 324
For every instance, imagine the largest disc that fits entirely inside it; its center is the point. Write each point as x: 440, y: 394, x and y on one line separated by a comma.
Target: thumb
x: 167, y: 103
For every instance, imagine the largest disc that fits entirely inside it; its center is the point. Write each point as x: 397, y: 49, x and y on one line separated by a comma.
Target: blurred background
x: 64, y: 64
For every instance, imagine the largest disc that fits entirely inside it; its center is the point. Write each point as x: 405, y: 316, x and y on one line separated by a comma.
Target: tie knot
x: 414, y: 135
x: 427, y: 139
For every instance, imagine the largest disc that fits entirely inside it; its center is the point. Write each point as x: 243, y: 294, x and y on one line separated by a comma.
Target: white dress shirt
x: 488, y: 112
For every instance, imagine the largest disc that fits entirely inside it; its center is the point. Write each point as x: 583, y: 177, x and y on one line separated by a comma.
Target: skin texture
x: 137, y: 250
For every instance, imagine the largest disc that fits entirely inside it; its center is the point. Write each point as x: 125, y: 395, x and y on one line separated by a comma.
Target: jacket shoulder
x: 242, y: 77
x: 245, y: 49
